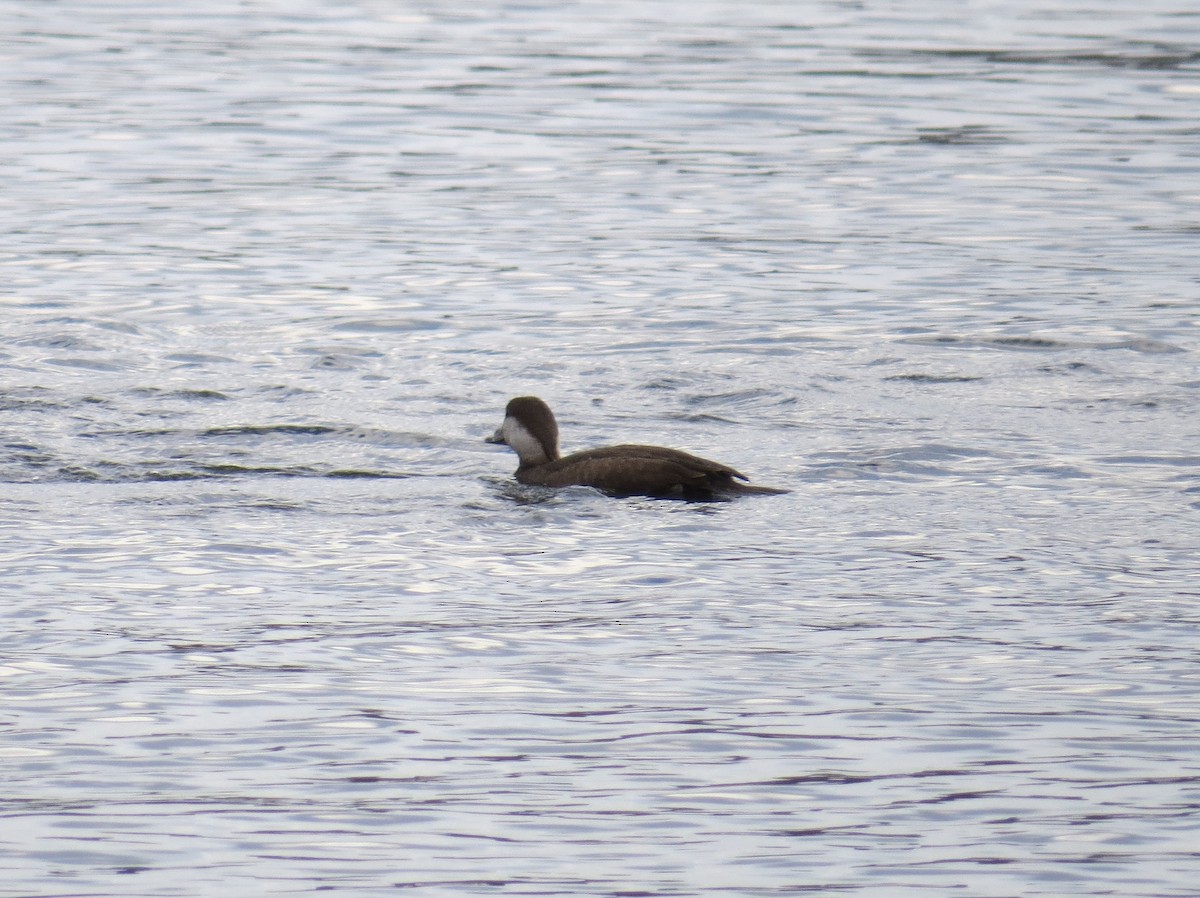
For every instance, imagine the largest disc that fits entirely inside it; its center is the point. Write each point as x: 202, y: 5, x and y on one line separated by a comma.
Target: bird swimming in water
x: 530, y: 430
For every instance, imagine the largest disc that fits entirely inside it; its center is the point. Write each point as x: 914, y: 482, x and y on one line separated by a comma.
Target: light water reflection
x: 278, y: 620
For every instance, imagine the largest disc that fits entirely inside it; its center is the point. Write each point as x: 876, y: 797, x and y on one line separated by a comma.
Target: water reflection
x: 276, y: 616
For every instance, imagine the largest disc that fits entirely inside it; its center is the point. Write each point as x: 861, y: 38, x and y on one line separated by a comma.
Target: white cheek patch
x: 522, y: 441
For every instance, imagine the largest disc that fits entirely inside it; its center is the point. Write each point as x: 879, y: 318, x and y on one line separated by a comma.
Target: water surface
x: 278, y: 621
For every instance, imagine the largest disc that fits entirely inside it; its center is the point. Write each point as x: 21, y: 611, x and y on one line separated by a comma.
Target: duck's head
x: 530, y: 430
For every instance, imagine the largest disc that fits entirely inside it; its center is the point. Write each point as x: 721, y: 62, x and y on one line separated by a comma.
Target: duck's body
x: 530, y: 430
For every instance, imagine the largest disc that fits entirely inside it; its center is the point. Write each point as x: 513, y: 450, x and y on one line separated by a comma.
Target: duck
x: 530, y: 430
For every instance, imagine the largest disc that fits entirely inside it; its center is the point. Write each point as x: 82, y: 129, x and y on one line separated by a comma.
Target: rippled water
x: 276, y: 620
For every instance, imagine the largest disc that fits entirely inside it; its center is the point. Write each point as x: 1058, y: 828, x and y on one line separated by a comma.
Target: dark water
x: 277, y: 621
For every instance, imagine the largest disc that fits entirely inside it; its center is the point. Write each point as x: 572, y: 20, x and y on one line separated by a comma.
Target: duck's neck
x: 530, y: 449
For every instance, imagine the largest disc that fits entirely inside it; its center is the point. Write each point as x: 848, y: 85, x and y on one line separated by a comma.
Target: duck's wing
x: 631, y: 470
x: 660, y: 453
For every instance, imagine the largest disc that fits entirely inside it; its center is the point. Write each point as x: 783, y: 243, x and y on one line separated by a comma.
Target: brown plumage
x: 530, y: 430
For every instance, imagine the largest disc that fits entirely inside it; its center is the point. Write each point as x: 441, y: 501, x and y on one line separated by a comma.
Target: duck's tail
x: 746, y: 489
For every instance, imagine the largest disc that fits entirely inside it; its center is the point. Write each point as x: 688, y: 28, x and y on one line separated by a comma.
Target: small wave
x: 259, y: 430
x: 1028, y: 342
x: 1153, y: 58
x: 1141, y: 344
x: 42, y: 469
x: 1033, y: 343
x: 933, y: 378
x: 191, y: 395
x: 32, y: 399
x: 960, y: 135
